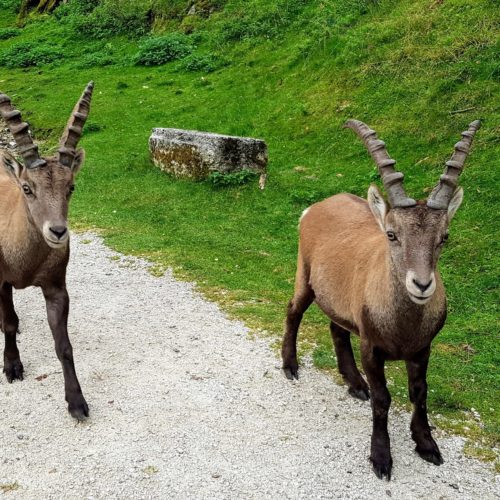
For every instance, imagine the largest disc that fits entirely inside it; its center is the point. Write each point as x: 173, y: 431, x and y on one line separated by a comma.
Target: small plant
x: 93, y: 127
x: 239, y: 178
x: 6, y: 33
x: 26, y: 54
x: 306, y: 197
x: 160, y: 50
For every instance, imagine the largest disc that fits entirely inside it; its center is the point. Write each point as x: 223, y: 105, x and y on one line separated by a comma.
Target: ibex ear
x: 78, y: 161
x: 10, y: 164
x: 377, y: 205
x: 455, y: 202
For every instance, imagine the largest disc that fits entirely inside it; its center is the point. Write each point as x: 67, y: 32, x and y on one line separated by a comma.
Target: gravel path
x: 185, y: 405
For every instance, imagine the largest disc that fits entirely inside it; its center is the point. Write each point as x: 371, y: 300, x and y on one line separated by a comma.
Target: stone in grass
x: 195, y: 155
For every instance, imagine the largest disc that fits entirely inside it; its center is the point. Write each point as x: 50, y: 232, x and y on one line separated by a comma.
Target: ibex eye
x: 392, y: 236
x: 445, y: 238
x: 71, y: 189
x: 27, y: 189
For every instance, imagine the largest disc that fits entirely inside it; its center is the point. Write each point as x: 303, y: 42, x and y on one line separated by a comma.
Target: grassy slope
x: 401, y: 66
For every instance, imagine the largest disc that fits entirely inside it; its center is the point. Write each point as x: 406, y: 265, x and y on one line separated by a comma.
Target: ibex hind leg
x: 302, y: 299
x: 12, y: 366
x: 358, y: 388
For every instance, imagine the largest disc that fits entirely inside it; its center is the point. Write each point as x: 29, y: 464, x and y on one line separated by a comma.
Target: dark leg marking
x: 12, y: 366
x: 420, y: 430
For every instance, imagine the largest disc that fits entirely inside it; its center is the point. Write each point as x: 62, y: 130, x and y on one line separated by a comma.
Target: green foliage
x: 6, y: 33
x: 23, y: 55
x: 239, y: 178
x: 98, y: 58
x: 75, y: 8
x: 163, y: 49
x: 101, y: 19
x: 205, y: 63
x: 10, y: 6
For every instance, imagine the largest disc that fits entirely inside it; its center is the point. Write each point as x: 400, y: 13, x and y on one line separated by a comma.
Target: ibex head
x: 415, y: 231
x: 47, y: 183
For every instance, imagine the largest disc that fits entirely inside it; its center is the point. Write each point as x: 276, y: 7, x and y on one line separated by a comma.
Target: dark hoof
x: 362, y: 394
x: 79, y: 411
x: 432, y: 456
x: 382, y: 468
x: 291, y: 373
x: 13, y: 370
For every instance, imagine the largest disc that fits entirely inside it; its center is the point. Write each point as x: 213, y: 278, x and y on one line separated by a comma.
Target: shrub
x: 163, y: 49
x: 102, y: 19
x: 75, y: 8
x: 96, y: 60
x: 206, y: 63
x: 25, y: 54
x: 6, y: 33
x: 219, y: 179
x: 10, y: 5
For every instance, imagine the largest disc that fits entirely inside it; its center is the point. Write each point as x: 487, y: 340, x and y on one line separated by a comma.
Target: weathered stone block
x: 195, y: 155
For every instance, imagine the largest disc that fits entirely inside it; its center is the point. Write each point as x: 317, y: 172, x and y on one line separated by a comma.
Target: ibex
x: 372, y: 269
x: 34, y: 239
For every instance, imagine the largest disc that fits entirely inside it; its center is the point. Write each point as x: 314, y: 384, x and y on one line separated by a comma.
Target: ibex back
x: 372, y: 269
x: 34, y: 237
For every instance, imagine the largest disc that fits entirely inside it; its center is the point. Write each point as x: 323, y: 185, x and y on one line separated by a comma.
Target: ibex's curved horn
x: 443, y: 192
x: 393, y: 181
x: 20, y: 130
x: 74, y: 128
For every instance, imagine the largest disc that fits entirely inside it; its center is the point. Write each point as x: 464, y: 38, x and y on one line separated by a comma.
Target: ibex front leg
x: 12, y: 366
x: 373, y: 363
x: 57, y: 301
x: 420, y: 430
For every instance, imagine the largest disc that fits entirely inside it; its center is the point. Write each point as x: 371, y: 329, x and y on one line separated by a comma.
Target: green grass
x: 294, y: 72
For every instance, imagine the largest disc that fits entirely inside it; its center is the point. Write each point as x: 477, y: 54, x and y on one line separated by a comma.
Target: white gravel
x: 185, y: 405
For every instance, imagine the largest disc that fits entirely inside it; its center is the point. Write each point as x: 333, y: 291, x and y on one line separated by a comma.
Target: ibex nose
x: 421, y: 287
x: 58, y: 231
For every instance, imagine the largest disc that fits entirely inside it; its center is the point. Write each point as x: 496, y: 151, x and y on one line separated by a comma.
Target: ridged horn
x: 74, y: 128
x: 441, y: 195
x: 20, y: 130
x: 393, y: 180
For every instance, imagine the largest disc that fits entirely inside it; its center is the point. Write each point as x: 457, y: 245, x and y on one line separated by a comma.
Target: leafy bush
x: 206, y: 63
x: 102, y: 19
x: 6, y: 33
x: 96, y: 60
x: 219, y: 179
x: 98, y: 56
x: 10, y: 5
x: 26, y: 54
x: 267, y: 21
x: 76, y: 8
x: 163, y: 49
